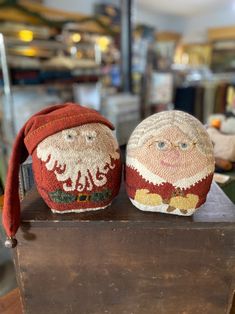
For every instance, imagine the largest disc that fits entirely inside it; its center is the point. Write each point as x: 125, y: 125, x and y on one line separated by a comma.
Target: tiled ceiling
x: 182, y: 7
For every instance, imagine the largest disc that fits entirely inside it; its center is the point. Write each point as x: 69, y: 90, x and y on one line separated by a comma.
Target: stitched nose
x: 173, y: 154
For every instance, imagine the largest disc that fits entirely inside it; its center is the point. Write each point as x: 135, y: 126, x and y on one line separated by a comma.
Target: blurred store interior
x: 125, y: 58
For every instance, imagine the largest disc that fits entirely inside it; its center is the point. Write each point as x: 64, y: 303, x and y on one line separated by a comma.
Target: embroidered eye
x: 90, y: 136
x: 162, y: 145
x: 184, y: 146
x: 69, y: 136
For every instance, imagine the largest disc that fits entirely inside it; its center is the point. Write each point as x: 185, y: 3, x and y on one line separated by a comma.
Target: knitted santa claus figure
x: 76, y: 162
x: 169, y: 164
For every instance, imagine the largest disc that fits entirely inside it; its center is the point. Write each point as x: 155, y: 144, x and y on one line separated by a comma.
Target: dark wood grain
x: 122, y: 261
x: 218, y: 208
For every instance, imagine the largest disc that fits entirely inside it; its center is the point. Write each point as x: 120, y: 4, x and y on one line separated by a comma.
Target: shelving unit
x: 41, y: 67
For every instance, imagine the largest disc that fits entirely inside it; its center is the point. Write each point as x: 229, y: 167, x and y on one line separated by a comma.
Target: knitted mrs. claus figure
x: 169, y: 164
x: 76, y: 162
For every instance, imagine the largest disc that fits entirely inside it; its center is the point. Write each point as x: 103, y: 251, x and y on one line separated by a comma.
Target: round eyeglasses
x: 165, y: 145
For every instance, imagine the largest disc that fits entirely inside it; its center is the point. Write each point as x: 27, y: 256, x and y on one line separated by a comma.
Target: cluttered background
x: 125, y: 59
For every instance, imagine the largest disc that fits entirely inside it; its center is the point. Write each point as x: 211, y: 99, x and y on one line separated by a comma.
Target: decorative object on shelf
x: 222, y: 59
x: 223, y: 122
x: 224, y: 144
x: 62, y: 62
x: 193, y: 55
x: 76, y: 162
x: 230, y: 98
x: 161, y: 88
x: 25, y: 32
x: 169, y: 164
x: 111, y: 12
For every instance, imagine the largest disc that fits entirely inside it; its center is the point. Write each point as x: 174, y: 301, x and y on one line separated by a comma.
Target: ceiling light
x: 76, y: 37
x: 26, y: 35
x: 103, y: 43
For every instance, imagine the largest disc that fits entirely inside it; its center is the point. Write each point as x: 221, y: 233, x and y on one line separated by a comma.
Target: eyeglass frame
x: 171, y: 145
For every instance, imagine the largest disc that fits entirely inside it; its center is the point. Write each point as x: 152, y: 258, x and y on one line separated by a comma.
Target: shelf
x: 52, y: 15
x: 221, y: 33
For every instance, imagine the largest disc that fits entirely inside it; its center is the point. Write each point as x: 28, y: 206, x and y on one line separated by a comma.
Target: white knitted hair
x: 189, y: 125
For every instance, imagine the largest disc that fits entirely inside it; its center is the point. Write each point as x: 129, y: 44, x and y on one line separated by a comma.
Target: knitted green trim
x: 60, y: 196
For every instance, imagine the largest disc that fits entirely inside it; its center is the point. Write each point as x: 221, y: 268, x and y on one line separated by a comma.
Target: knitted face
x: 173, y: 155
x: 169, y: 164
x: 83, y: 160
x: 76, y: 162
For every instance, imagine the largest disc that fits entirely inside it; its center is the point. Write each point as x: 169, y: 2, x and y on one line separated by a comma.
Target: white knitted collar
x: 155, y: 179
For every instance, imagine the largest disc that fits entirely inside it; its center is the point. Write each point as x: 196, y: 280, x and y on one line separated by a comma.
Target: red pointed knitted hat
x: 52, y: 123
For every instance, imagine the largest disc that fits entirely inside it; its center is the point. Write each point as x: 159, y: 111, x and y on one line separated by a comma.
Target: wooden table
x: 121, y: 261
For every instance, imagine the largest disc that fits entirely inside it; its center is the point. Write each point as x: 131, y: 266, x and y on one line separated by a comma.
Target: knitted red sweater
x: 56, y: 198
x: 134, y: 182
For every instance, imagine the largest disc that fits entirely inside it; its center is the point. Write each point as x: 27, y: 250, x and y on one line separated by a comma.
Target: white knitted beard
x: 84, y: 169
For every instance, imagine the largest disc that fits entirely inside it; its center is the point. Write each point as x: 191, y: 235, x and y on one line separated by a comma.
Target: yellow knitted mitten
x: 144, y: 197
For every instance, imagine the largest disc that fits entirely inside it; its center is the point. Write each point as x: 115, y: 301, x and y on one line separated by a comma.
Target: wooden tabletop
x: 217, y: 209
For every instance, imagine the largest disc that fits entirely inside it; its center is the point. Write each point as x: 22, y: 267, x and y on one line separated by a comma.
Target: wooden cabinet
x: 121, y: 260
